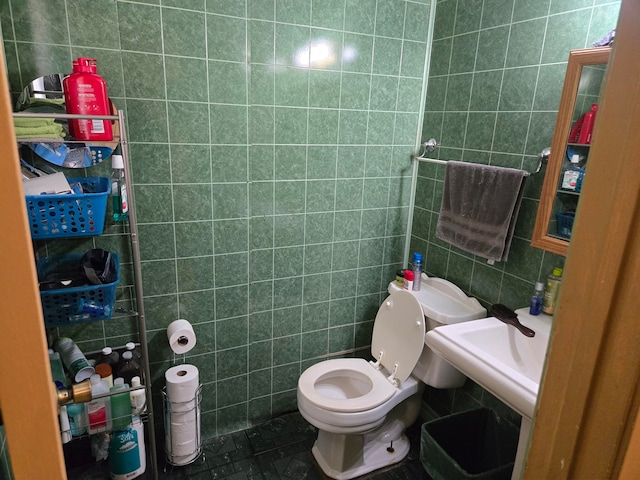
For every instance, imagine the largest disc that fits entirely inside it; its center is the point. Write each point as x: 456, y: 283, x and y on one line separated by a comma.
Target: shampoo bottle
x: 588, y: 121
x: 551, y: 291
x: 537, y: 299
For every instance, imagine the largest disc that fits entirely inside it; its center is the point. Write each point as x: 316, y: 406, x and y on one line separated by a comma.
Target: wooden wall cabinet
x: 582, y: 84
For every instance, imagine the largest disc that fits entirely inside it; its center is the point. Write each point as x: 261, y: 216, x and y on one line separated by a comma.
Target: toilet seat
x: 345, y: 385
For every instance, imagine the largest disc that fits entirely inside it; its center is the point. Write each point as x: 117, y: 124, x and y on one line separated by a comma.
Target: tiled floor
x: 278, y: 449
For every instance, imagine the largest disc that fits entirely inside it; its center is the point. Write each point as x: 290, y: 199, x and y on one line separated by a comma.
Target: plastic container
x: 60, y: 306
x: 475, y: 444
x: 72, y: 214
x: 564, y: 223
x: 106, y: 373
x: 573, y: 175
x: 408, y: 280
x: 109, y: 356
x: 135, y: 350
x: 57, y: 371
x: 138, y: 397
x: 417, y: 270
x: 98, y: 409
x: 85, y: 93
x: 119, y: 190
x: 77, y: 419
x: 551, y: 291
x: 120, y: 405
x: 128, y: 367
x: 73, y: 359
x: 589, y: 120
x: 65, y: 428
x: 537, y: 300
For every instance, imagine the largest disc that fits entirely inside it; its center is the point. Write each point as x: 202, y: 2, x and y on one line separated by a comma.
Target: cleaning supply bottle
x: 120, y: 405
x: 551, y: 291
x: 128, y: 367
x: 85, y: 93
x: 573, y: 175
x: 537, y: 299
x: 77, y: 419
x: 119, y: 189
x: 98, y: 409
x: 137, y: 354
x: 109, y: 356
x: 417, y: 270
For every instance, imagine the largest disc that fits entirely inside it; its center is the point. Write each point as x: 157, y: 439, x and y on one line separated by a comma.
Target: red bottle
x: 85, y: 92
x: 583, y: 128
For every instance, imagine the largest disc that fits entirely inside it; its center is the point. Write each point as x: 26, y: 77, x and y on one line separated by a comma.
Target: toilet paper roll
x: 181, y: 336
x: 182, y: 420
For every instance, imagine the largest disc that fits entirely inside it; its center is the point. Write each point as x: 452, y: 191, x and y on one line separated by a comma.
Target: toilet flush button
x: 388, y: 304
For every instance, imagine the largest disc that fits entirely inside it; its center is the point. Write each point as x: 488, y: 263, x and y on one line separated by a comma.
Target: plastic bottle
x: 138, y: 425
x: 109, y: 356
x: 77, y: 419
x: 588, y: 121
x: 119, y: 189
x: 137, y: 354
x: 128, y: 367
x: 98, y: 409
x: 408, y: 280
x: 85, y: 92
x: 573, y: 175
x: 120, y: 405
x: 400, y: 278
x: 138, y: 397
x: 551, y: 291
x: 73, y: 358
x: 106, y: 373
x: 57, y: 372
x: 65, y: 429
x: 417, y: 270
x: 537, y: 299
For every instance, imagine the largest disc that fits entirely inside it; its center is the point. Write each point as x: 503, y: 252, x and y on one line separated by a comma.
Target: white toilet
x: 362, y: 408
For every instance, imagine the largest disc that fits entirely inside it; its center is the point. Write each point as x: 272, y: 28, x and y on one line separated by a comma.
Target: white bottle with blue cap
x: 417, y: 270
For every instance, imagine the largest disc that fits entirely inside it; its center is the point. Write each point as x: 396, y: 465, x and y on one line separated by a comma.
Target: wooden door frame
x: 27, y: 393
x: 589, y: 399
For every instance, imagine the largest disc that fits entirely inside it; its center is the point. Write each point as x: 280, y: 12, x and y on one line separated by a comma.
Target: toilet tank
x: 443, y: 303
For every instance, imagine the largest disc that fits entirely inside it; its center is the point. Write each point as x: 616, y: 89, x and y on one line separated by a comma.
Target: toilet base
x: 343, y: 457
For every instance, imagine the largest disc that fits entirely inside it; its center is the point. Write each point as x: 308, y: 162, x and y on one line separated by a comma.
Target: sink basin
x: 497, y: 356
x: 502, y: 360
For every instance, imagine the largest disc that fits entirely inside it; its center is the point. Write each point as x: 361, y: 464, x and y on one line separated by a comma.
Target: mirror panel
x: 568, y: 160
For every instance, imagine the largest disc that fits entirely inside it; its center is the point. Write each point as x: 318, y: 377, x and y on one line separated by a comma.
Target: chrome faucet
x: 508, y: 316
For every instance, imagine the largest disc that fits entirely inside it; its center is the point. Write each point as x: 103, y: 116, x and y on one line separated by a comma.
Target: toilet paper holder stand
x: 180, y: 415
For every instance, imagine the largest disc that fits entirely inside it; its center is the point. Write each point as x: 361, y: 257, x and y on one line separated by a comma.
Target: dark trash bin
x: 476, y: 444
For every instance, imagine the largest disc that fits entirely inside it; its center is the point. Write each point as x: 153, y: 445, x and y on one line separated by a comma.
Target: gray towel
x: 480, y: 205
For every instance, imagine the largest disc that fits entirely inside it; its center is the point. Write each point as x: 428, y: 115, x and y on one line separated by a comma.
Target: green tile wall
x: 496, y: 74
x: 270, y: 144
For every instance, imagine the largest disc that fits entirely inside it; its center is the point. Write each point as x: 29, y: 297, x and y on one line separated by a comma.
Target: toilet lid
x: 398, y: 333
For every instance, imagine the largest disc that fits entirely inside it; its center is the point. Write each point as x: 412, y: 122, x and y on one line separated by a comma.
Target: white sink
x: 497, y: 356
x: 502, y: 360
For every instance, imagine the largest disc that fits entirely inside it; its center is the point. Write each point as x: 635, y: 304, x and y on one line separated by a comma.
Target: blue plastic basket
x: 61, y: 306
x: 70, y: 215
x: 564, y: 223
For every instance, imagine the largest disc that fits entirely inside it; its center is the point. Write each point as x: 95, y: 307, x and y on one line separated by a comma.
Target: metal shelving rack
x: 137, y: 270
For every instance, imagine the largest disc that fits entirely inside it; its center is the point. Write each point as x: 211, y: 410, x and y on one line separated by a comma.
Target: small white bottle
x: 98, y: 411
x: 138, y: 397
